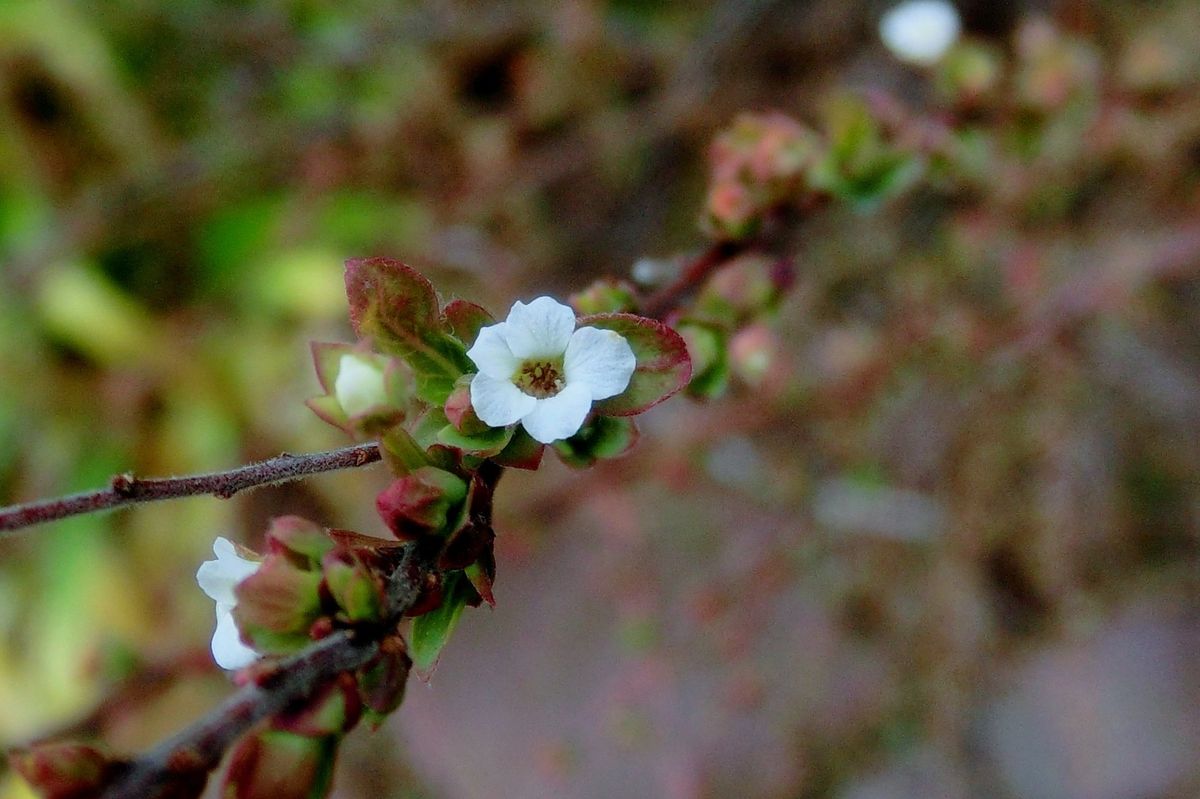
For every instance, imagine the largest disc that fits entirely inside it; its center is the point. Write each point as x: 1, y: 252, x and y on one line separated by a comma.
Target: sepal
x: 600, y: 438
x: 421, y: 502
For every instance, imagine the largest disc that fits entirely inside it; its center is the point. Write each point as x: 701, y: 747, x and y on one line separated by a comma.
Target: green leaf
x: 709, y: 348
x: 401, y: 453
x: 431, y: 631
x: 397, y: 308
x: 490, y: 442
x: 663, y: 365
x: 602, y: 437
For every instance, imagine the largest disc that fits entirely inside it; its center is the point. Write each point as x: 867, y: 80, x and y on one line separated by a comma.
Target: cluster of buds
x: 757, y: 164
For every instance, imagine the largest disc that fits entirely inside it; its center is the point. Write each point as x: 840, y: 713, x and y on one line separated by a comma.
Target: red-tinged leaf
x: 466, y: 319
x: 397, y: 308
x: 329, y: 410
x: 327, y: 358
x: 68, y: 770
x: 307, y: 542
x: 465, y: 546
x: 482, y: 575
x: 381, y: 682
x: 274, y: 764
x: 663, y: 365
x: 353, y: 540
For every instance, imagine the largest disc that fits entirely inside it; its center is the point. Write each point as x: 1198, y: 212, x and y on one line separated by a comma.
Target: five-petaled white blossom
x: 920, y: 31
x: 359, y: 385
x: 537, y: 369
x: 218, y: 578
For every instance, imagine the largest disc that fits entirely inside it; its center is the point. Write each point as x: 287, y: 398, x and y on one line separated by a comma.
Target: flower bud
x: 420, y: 503
x: 359, y: 386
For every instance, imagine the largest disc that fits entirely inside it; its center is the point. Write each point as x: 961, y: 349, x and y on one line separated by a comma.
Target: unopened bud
x: 359, y: 386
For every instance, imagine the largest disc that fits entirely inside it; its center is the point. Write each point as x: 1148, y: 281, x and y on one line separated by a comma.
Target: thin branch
x: 187, y: 758
x: 125, y: 489
x: 666, y: 299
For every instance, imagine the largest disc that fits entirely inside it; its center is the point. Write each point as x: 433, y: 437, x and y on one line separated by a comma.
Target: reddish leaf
x: 381, y: 682
x: 663, y: 365
x: 396, y: 306
x: 298, y: 537
x: 465, y: 319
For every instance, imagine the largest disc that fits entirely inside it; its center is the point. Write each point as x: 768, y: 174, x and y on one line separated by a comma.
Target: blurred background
x: 946, y: 542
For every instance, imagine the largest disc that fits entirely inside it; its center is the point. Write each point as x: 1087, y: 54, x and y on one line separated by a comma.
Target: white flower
x: 537, y: 369
x: 359, y: 385
x: 920, y: 31
x: 218, y: 578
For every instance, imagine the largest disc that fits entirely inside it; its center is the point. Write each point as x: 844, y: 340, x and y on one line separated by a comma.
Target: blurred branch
x: 189, y: 756
x: 125, y: 489
x: 663, y: 301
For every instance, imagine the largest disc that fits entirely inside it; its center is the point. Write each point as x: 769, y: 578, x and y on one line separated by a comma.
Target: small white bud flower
x: 359, y: 385
x: 218, y: 578
x: 920, y: 31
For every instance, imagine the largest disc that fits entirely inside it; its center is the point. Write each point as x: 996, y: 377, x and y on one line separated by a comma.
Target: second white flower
x: 537, y: 369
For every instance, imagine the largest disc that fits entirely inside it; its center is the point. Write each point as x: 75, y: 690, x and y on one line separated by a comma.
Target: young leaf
x: 485, y: 444
x: 431, y: 631
x: 663, y: 365
x: 397, y: 307
x: 465, y: 319
x: 602, y: 437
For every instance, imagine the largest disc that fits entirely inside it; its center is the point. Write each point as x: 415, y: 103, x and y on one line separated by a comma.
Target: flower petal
x: 600, y: 359
x: 217, y: 578
x: 498, y: 402
x: 227, y: 647
x: 559, y: 416
x: 540, y: 329
x: 491, y: 354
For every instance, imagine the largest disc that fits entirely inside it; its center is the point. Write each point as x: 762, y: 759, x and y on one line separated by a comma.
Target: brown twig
x: 189, y: 756
x: 125, y: 489
x: 663, y: 301
x: 185, y: 760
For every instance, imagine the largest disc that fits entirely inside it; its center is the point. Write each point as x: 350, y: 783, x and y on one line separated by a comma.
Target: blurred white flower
x: 218, y: 578
x: 536, y: 368
x: 920, y: 31
x: 359, y: 385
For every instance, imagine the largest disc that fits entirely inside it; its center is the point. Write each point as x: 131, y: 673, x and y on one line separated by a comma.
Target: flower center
x: 540, y: 379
